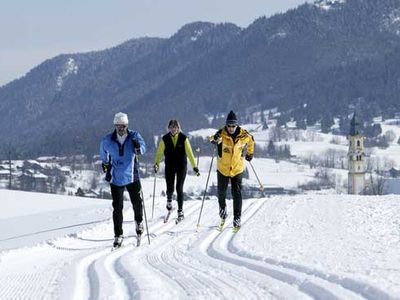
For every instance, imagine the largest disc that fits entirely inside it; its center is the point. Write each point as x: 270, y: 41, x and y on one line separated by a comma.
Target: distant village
x: 60, y: 175
x: 76, y: 176
x: 80, y: 175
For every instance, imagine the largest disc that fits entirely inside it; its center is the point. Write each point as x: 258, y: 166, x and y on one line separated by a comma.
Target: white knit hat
x: 121, y: 119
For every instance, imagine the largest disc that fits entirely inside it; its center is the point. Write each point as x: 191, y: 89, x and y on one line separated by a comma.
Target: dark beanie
x: 231, y: 119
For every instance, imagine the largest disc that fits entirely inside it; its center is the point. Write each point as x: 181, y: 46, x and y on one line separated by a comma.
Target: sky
x: 33, y: 31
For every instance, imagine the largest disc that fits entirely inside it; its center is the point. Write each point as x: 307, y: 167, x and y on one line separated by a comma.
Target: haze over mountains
x: 315, y: 62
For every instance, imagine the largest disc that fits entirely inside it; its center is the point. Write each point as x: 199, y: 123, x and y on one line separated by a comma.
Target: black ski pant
x: 117, y: 193
x: 180, y: 174
x: 236, y: 189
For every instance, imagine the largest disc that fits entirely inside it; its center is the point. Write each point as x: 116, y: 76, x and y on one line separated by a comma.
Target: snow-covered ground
x: 392, y: 153
x: 29, y: 218
x: 290, y: 247
x: 312, y: 246
x: 284, y: 174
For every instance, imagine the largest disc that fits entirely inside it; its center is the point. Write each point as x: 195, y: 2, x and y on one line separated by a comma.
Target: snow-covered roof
x: 39, y: 175
x: 32, y: 161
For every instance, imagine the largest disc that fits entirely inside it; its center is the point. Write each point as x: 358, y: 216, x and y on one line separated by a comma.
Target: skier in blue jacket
x: 118, y: 152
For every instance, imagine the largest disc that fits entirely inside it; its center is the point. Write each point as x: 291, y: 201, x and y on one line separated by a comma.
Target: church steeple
x: 354, y: 126
x: 356, y: 156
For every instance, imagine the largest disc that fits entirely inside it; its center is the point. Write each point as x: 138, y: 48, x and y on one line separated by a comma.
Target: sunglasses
x: 231, y: 126
x: 121, y: 126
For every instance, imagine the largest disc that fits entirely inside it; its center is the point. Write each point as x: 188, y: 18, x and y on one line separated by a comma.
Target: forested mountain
x: 313, y: 63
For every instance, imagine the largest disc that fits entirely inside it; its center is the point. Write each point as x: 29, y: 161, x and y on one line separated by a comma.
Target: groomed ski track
x: 182, y: 262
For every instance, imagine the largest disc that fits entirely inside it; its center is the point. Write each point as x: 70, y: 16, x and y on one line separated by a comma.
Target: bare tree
x: 311, y: 160
x: 390, y: 136
x: 296, y: 134
x: 376, y: 184
x: 94, y: 181
x: 335, y: 140
x: 324, y: 179
x: 276, y: 134
x: 379, y: 164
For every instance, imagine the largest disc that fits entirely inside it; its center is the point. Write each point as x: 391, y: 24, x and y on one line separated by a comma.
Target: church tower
x: 356, y: 157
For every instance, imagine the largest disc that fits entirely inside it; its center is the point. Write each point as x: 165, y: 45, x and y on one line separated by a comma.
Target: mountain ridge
x: 319, y: 60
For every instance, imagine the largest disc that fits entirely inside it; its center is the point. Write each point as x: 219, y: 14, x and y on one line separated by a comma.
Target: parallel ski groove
x: 304, y: 282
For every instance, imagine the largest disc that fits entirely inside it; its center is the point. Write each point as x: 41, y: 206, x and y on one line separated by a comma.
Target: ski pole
x: 154, y: 195
x: 258, y: 179
x: 145, y: 216
x: 144, y: 206
x: 198, y: 156
x: 205, y: 190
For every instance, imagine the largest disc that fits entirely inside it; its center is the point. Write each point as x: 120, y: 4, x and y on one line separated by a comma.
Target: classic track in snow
x: 180, y: 263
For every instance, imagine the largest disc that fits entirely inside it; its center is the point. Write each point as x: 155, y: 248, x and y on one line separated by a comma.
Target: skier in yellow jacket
x: 234, y: 144
x: 175, y: 146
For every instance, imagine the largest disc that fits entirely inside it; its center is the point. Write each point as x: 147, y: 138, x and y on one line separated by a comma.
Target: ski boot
x: 139, y: 231
x: 117, y: 242
x: 169, y: 205
x: 236, y: 224
x: 180, y: 216
x: 222, y: 214
x: 169, y: 210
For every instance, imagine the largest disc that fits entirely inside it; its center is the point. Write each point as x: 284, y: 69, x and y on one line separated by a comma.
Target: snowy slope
x: 289, y: 247
x: 28, y: 218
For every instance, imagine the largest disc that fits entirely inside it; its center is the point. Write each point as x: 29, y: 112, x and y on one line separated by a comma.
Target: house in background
x: 4, y: 173
x: 33, y: 181
x: 392, y: 182
x: 393, y: 173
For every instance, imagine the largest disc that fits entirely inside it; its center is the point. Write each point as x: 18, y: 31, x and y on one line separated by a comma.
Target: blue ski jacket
x: 122, y: 158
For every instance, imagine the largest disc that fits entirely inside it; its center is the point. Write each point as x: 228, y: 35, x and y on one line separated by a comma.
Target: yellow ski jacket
x: 230, y: 161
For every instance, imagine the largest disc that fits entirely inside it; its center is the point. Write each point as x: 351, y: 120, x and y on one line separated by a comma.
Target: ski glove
x: 105, y: 167
x: 216, y: 138
x: 155, y: 167
x: 136, y: 146
x: 248, y: 157
x: 196, y: 171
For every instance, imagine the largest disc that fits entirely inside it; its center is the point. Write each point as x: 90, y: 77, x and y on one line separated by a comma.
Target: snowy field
x: 29, y: 218
x: 284, y: 174
x: 290, y: 247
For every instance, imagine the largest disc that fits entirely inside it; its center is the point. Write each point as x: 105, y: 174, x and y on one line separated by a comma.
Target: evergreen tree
x: 326, y: 123
x: 372, y: 131
x: 301, y: 124
x: 282, y: 120
x: 344, y: 125
x: 286, y: 151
